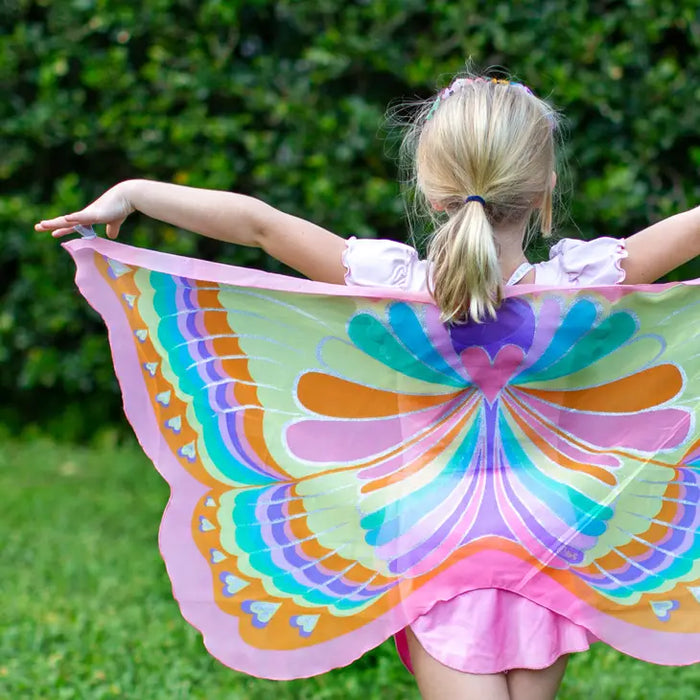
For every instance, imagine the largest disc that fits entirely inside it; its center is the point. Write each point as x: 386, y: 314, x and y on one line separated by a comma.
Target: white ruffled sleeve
x: 383, y: 263
x: 583, y: 263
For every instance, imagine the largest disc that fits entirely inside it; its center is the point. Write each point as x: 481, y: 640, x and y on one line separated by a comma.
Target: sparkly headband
x: 460, y: 83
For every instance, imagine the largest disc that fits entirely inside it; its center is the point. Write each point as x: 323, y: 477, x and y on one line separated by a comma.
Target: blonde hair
x: 481, y: 152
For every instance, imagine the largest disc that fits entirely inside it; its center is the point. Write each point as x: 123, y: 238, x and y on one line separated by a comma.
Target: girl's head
x: 480, y: 139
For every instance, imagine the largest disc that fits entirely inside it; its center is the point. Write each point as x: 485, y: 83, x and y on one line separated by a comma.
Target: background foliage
x: 285, y: 100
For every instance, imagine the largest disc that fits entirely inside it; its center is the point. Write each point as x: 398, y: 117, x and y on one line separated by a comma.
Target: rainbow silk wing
x: 339, y: 460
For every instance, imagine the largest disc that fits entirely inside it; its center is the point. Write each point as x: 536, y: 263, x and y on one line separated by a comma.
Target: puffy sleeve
x: 384, y: 263
x: 583, y: 263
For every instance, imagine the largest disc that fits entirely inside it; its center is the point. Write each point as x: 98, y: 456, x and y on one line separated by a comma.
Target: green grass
x: 86, y: 609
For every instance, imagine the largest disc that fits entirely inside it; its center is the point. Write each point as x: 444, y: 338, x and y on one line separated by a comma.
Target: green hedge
x: 285, y: 100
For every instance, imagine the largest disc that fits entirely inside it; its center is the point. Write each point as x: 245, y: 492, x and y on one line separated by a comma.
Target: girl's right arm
x: 662, y: 247
x: 226, y: 216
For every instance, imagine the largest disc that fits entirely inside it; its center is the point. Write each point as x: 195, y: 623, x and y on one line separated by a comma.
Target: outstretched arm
x: 662, y: 247
x: 235, y: 218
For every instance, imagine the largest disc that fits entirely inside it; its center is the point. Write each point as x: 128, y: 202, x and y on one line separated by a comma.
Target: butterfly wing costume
x: 339, y: 460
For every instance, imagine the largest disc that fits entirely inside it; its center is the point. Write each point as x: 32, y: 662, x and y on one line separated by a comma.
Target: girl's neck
x: 509, y: 243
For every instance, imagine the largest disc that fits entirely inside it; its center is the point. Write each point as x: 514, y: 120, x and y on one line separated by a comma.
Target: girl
x: 482, y: 154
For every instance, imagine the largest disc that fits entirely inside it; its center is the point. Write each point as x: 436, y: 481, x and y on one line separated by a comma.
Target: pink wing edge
x: 189, y: 571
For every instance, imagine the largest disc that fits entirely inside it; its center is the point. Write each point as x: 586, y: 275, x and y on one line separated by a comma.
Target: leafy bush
x: 284, y: 100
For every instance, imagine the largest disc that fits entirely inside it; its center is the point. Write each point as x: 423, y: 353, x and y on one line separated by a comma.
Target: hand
x: 111, y: 208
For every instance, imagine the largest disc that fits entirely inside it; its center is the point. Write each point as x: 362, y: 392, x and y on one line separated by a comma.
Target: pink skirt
x: 492, y: 630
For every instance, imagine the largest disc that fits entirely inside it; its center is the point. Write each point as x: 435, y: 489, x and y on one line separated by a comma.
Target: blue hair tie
x: 475, y: 198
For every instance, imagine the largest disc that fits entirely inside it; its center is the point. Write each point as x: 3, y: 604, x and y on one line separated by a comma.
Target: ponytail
x: 482, y: 151
x: 466, y: 277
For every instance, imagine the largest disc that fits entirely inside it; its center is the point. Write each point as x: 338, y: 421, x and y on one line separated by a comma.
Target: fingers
x: 86, y: 216
x: 79, y: 217
x: 61, y: 222
x: 113, y: 229
x: 64, y: 230
x: 48, y: 224
x: 63, y: 225
x: 58, y: 227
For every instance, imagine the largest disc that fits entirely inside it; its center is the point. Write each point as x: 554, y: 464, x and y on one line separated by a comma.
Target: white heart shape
x: 216, y: 557
x: 151, y: 368
x: 232, y: 584
x: 117, y: 269
x: 663, y: 608
x: 175, y: 424
x: 188, y: 451
x: 304, y: 623
x: 262, y: 610
x: 205, y: 525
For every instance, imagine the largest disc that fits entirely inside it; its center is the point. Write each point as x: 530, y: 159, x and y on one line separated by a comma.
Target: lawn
x: 86, y: 610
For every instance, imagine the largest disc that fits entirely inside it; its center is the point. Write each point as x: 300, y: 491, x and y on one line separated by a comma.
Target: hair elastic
x: 475, y: 198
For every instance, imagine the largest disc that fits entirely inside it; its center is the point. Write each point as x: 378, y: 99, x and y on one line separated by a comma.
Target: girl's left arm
x: 226, y: 216
x: 662, y: 247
